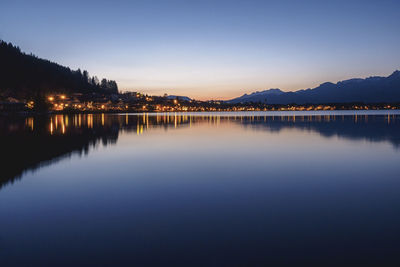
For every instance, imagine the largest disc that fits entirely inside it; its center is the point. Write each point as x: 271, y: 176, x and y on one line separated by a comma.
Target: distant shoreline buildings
x: 137, y: 102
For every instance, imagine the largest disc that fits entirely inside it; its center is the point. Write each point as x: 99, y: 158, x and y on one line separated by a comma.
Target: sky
x: 207, y: 49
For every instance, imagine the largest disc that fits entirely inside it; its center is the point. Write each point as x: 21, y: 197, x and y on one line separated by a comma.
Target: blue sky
x: 210, y: 49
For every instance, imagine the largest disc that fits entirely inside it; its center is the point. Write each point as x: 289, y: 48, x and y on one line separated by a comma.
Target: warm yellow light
x: 62, y: 96
x: 51, y: 98
x: 102, y: 106
x: 175, y: 101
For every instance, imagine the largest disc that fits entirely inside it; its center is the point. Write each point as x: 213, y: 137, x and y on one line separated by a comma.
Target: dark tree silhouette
x: 28, y: 77
x: 109, y: 86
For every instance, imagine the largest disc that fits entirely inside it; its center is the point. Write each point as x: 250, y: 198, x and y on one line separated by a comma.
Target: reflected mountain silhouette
x: 31, y: 143
x: 372, y: 128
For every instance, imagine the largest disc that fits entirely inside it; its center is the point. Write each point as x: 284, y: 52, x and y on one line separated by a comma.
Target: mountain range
x: 370, y: 90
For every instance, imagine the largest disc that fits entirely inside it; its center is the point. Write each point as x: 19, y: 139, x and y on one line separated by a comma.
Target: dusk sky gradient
x: 210, y: 49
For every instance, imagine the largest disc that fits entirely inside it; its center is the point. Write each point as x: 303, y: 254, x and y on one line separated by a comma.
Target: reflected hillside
x: 372, y: 128
x: 35, y: 142
x: 30, y: 143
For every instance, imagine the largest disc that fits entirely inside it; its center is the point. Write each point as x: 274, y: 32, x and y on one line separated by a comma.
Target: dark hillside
x: 24, y: 77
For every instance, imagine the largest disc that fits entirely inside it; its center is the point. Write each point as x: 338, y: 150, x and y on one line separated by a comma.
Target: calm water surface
x: 206, y: 189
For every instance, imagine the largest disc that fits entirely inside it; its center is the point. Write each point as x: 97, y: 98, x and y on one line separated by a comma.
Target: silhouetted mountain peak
x: 355, y: 80
x: 395, y: 74
x: 257, y: 94
x: 273, y: 91
x: 326, y: 84
x: 374, y: 78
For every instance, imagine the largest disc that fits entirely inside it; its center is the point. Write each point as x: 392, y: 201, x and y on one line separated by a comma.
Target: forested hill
x: 24, y: 76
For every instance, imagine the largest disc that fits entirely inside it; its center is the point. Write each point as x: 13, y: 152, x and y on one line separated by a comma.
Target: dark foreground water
x: 207, y: 189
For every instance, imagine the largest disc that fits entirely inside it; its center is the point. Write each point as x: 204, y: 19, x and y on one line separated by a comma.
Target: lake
x: 201, y: 189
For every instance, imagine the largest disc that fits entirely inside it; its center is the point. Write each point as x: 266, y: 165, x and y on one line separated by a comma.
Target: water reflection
x: 30, y: 143
x: 201, y: 189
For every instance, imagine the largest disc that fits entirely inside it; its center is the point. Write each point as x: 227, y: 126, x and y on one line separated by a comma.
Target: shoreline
x: 133, y: 112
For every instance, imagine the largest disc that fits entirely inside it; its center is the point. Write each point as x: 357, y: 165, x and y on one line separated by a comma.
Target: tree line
x: 25, y: 76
